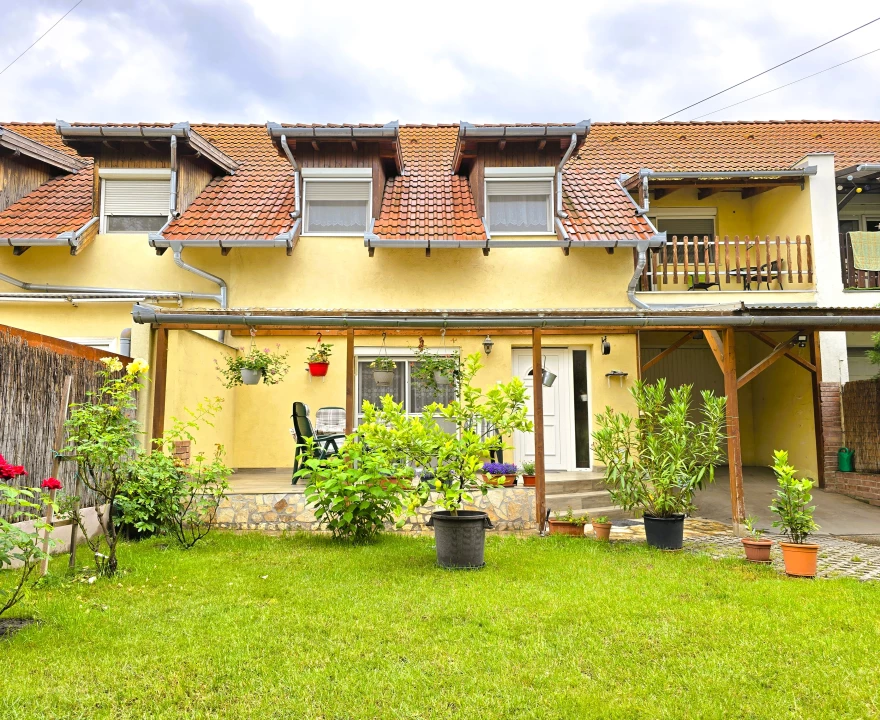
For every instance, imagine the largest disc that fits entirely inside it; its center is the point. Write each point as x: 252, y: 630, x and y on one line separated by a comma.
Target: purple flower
x: 494, y: 468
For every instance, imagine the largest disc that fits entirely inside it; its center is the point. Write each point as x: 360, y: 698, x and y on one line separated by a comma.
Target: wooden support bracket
x: 663, y: 353
x: 778, y: 351
x: 790, y: 354
x: 717, y: 346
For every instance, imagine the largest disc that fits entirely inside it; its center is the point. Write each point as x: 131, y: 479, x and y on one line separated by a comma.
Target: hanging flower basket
x: 255, y: 365
x: 319, y: 358
x: 250, y: 377
x: 383, y: 367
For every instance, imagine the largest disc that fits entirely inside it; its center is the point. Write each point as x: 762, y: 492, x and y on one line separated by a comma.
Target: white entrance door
x: 558, y: 449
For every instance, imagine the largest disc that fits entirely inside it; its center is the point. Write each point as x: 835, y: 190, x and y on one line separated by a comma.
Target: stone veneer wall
x: 508, y: 509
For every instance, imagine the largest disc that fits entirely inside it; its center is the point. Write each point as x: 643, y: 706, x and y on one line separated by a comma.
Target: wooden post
x: 734, y: 450
x: 159, y: 383
x: 816, y: 360
x: 349, y: 381
x: 538, y: 407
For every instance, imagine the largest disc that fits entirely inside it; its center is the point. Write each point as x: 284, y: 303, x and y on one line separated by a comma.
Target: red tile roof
x: 61, y: 205
x: 428, y: 201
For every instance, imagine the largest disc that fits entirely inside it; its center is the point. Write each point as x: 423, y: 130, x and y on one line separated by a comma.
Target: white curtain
x: 518, y: 213
x: 344, y: 216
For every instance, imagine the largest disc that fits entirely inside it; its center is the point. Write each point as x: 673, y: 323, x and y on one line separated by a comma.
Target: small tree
x: 658, y: 459
x: 792, y: 501
x: 17, y: 544
x: 449, y: 443
x: 103, y: 439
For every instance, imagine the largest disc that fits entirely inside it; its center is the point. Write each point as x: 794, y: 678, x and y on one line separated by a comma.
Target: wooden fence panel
x: 861, y: 422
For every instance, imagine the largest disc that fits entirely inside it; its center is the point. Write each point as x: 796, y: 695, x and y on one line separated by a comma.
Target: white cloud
x: 222, y: 60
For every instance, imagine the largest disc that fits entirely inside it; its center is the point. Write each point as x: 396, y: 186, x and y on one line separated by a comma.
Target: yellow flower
x: 113, y: 364
x: 137, y: 366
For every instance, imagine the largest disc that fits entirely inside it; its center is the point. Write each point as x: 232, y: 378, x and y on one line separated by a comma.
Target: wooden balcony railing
x: 746, y: 263
x: 853, y: 278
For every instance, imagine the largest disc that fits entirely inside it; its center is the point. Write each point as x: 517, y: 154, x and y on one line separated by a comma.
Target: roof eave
x: 15, y: 142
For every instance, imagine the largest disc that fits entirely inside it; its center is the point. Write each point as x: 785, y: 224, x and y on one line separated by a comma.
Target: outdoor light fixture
x: 802, y: 340
x: 606, y: 346
x: 698, y: 335
x: 487, y: 345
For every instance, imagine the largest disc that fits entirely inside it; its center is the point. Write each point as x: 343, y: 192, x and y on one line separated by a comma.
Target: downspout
x: 297, y: 173
x: 642, y: 249
x: 177, y: 249
x: 172, y: 210
x: 560, y: 212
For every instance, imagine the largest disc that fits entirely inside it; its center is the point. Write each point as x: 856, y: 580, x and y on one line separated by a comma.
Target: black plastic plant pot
x: 665, y: 533
x: 460, y: 539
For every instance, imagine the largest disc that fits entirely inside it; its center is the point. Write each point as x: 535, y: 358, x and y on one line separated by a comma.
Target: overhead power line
x: 41, y: 37
x: 793, y: 82
x: 743, y: 82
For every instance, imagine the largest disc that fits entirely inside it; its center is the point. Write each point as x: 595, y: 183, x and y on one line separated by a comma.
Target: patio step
x: 570, y: 482
x: 591, y: 502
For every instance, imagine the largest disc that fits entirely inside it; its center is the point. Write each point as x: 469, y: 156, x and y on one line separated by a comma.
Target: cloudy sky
x: 287, y: 61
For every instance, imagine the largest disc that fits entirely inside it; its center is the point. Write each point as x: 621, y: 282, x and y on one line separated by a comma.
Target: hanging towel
x: 866, y: 250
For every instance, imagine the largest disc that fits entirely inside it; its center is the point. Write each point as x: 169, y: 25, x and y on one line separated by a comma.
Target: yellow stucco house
x: 627, y: 250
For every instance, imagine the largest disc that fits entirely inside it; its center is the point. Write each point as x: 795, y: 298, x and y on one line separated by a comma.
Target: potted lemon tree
x: 657, y: 459
x: 792, y: 506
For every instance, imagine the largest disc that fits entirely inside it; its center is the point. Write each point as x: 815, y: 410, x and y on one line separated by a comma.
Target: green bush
x: 791, y: 503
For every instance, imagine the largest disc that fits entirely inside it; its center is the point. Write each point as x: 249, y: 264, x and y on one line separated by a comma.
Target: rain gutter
x: 72, y: 238
x: 149, y: 315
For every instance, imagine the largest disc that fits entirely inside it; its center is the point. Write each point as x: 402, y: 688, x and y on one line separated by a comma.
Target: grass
x: 252, y: 626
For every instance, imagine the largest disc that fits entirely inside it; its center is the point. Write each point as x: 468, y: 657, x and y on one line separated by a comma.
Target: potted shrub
x: 602, y: 527
x: 757, y: 550
x: 452, y: 453
x: 528, y: 474
x: 795, y: 514
x: 319, y: 359
x: 567, y: 524
x: 253, y: 366
x: 383, y: 368
x: 499, y: 474
x: 656, y: 460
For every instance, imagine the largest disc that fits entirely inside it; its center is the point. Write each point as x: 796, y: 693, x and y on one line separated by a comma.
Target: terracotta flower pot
x: 318, y: 369
x: 799, y: 558
x: 528, y: 480
x: 563, y: 527
x: 500, y: 480
x: 757, y: 551
x: 602, y: 531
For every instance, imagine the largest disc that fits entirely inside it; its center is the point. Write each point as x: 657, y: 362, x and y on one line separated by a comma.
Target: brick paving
x: 838, y: 557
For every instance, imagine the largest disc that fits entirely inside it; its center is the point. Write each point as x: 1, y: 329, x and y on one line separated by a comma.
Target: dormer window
x: 337, y: 200
x: 134, y: 200
x: 519, y: 201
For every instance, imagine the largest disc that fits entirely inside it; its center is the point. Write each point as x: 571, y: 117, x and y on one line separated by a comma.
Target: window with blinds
x: 519, y: 205
x: 337, y: 207
x: 132, y: 206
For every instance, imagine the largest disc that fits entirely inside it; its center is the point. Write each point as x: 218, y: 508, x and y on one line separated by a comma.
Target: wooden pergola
x: 719, y: 326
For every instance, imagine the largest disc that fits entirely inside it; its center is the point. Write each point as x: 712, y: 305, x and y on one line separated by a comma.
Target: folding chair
x: 324, y: 445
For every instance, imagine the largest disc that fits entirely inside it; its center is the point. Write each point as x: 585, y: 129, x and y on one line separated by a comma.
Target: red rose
x: 51, y: 484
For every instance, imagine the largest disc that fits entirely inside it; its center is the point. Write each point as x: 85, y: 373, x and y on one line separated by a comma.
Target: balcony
x: 730, y: 264
x: 853, y: 278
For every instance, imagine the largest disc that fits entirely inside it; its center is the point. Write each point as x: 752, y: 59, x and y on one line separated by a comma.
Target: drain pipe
x: 173, y: 196
x: 223, y: 298
x: 297, y: 175
x: 98, y: 291
x: 642, y: 250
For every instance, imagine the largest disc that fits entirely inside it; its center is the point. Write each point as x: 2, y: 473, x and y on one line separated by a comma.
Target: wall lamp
x: 487, y: 345
x: 606, y: 346
x: 802, y: 341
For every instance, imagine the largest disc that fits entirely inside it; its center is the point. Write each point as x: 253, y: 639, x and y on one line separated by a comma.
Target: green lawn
x: 551, y: 628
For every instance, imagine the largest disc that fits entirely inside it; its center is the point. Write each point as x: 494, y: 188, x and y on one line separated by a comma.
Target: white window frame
x: 129, y: 174
x: 399, y: 355
x: 862, y: 218
x: 528, y: 174
x: 336, y: 175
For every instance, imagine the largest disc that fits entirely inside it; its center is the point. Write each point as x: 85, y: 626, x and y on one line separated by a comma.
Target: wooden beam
x: 19, y: 250
x: 160, y: 380
x: 760, y: 367
x: 349, y: 381
x: 541, y: 145
x: 790, y: 353
x: 703, y: 193
x: 750, y: 192
x: 734, y: 448
x: 716, y: 345
x: 315, y: 146
x: 240, y: 331
x: 663, y: 353
x: 354, y: 145
x: 817, y: 408
x: 538, y: 411
x: 502, y: 144
x: 731, y: 184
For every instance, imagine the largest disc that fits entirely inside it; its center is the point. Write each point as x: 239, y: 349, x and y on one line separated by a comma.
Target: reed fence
x: 861, y: 421
x: 751, y: 260
x: 32, y: 372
